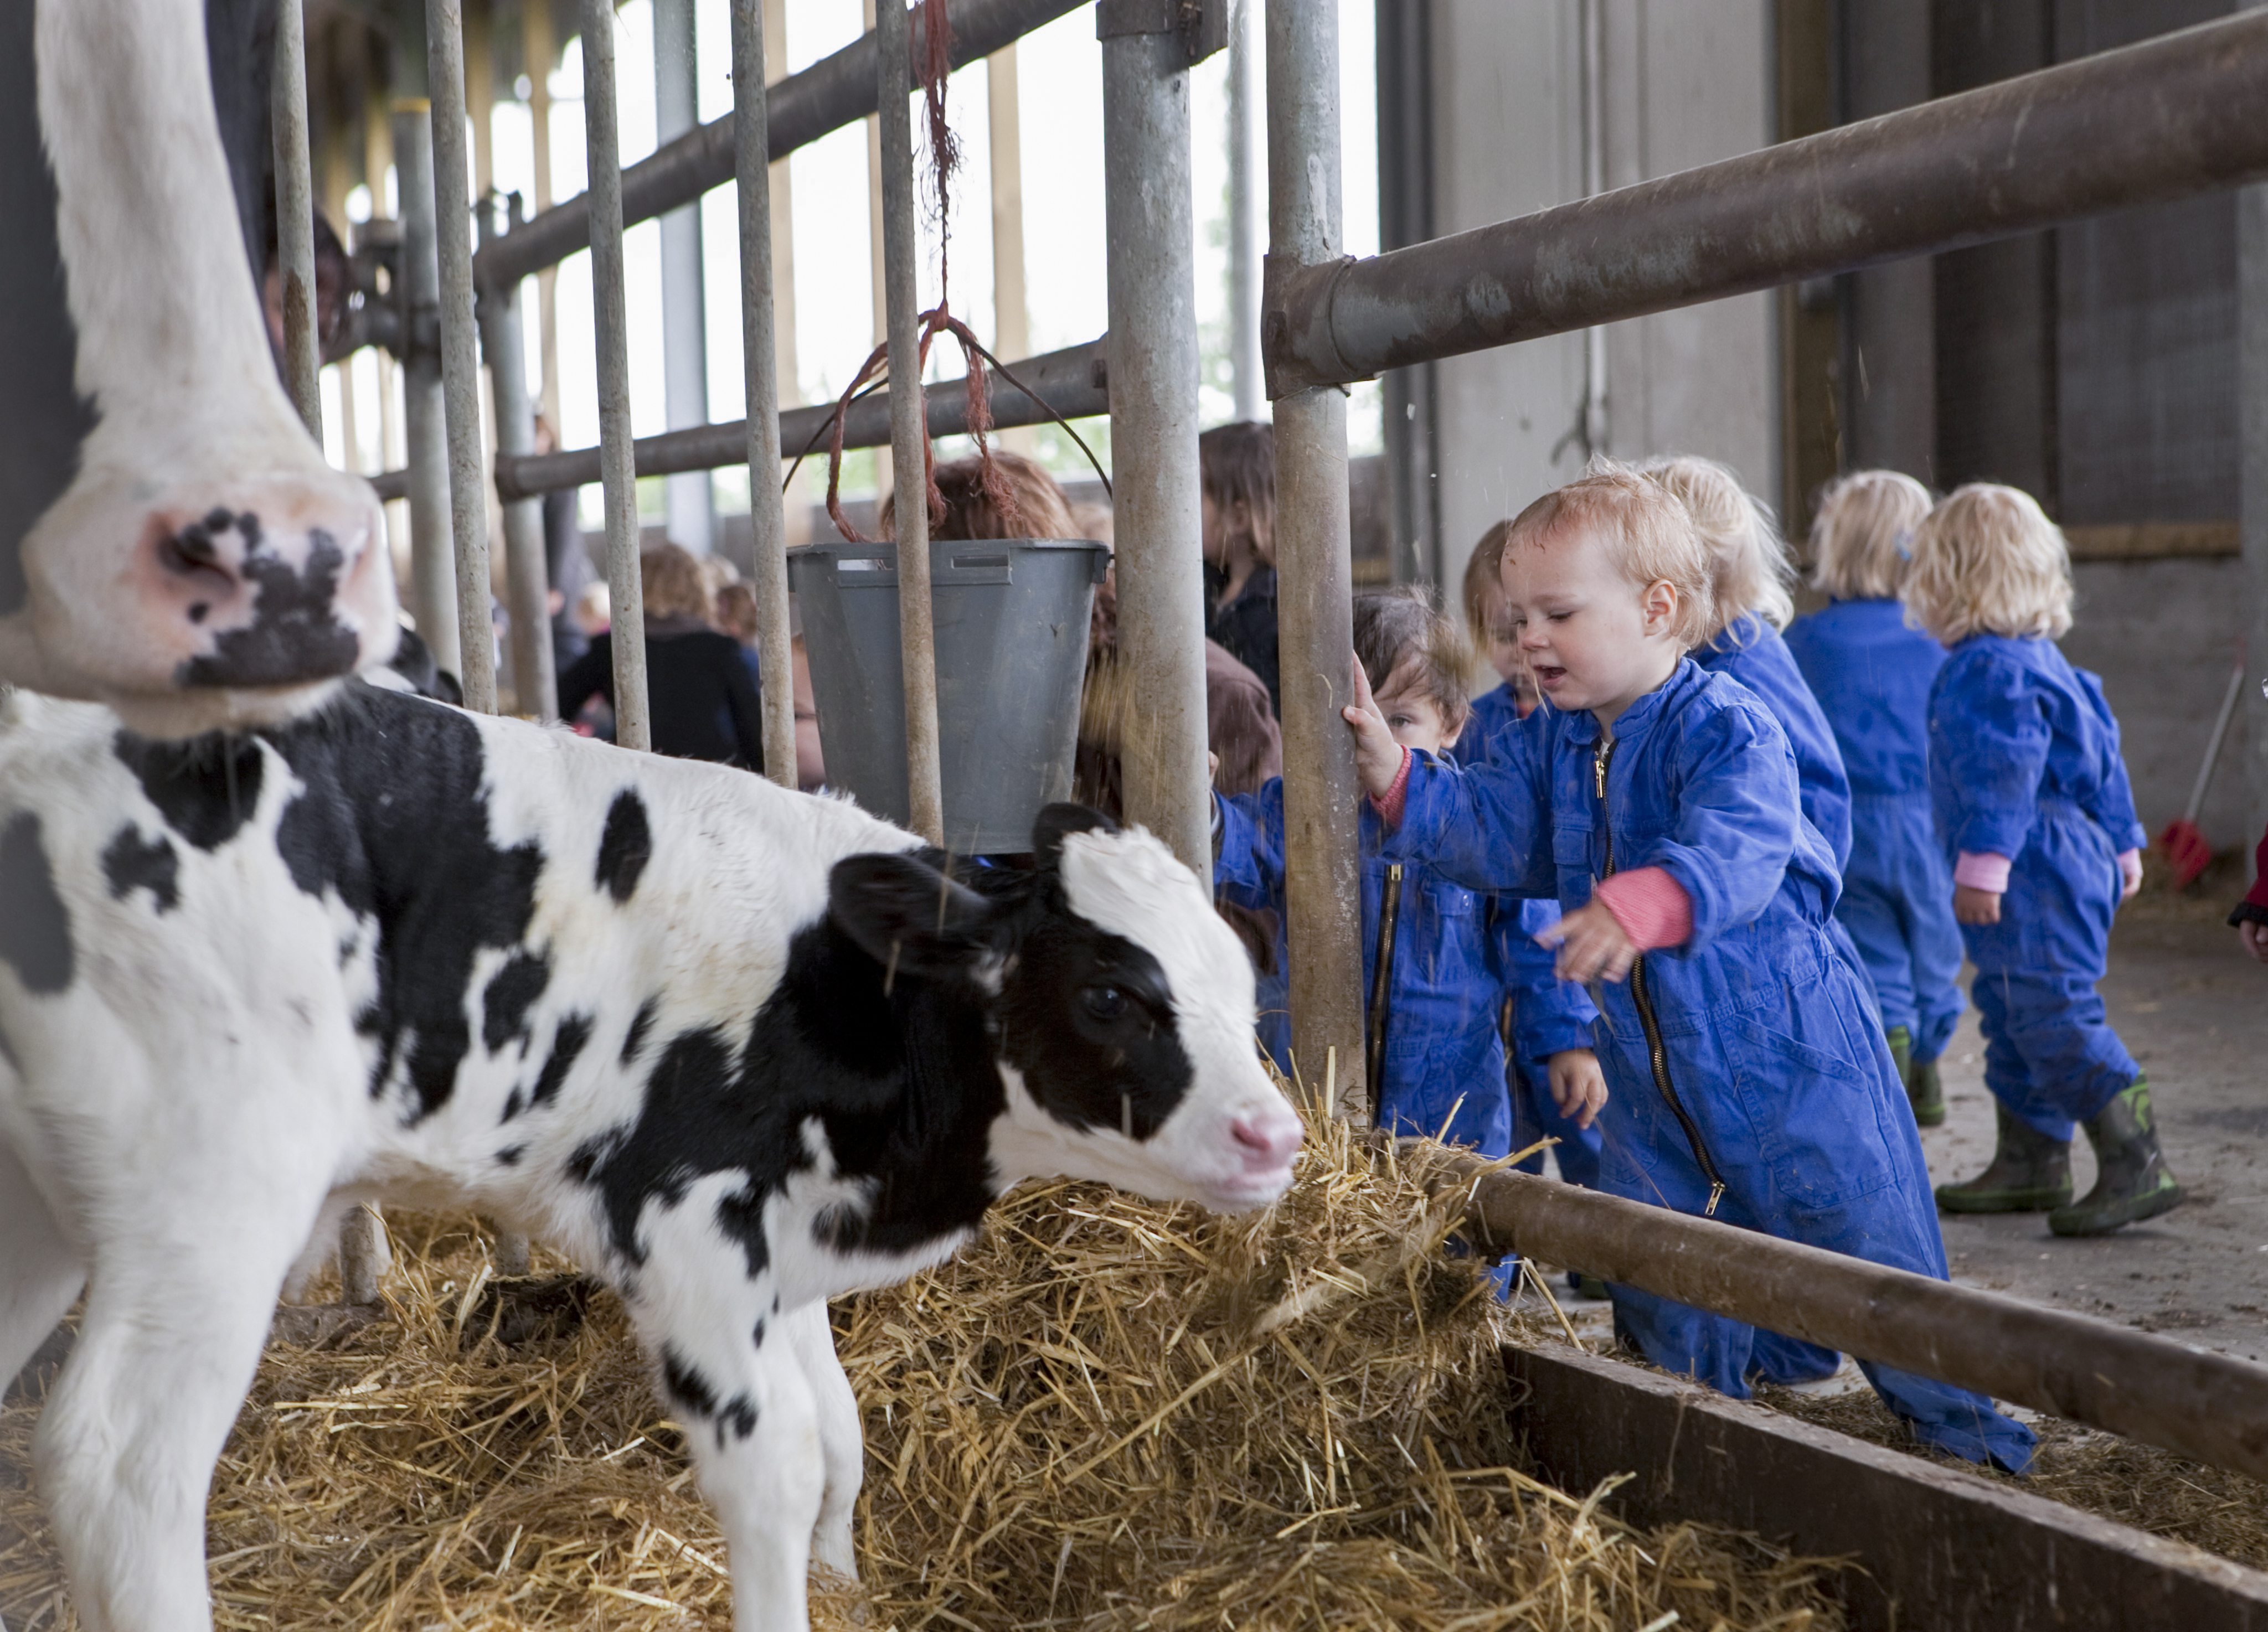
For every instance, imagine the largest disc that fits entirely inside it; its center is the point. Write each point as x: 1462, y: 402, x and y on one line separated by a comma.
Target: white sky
x: 1060, y: 97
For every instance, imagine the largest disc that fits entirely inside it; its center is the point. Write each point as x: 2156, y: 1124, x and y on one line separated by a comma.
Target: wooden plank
x: 1939, y: 1547
x: 2152, y: 540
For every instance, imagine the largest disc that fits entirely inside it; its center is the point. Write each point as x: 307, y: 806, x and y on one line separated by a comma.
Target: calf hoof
x: 530, y: 1309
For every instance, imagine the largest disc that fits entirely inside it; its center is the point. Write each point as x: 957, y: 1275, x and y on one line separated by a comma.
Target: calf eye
x: 1104, y: 1002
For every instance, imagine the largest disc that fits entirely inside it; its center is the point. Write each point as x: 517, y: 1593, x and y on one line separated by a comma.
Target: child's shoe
x: 1926, y: 1093
x: 2132, y: 1182
x: 1901, y: 1040
x: 2031, y: 1173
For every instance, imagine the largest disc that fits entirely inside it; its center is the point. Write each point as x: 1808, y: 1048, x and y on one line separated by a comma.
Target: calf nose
x: 1268, y: 1138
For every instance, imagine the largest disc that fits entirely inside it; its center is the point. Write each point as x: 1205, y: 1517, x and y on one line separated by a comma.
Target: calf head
x: 1120, y: 1007
x: 171, y: 540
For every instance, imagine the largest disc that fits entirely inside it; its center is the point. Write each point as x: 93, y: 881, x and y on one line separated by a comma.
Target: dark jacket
x: 1247, y: 628
x: 701, y: 688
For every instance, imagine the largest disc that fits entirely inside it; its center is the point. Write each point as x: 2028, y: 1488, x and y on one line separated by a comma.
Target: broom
x: 2187, y: 852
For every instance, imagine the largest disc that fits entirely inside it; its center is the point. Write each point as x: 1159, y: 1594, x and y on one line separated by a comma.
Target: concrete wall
x: 1685, y: 84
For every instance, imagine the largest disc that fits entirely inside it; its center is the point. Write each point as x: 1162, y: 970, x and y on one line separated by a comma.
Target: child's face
x: 1593, y: 639
x: 1413, y: 716
x: 1503, y: 649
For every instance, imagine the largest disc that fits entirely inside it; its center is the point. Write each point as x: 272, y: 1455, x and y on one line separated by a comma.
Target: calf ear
x: 1057, y: 822
x: 906, y: 916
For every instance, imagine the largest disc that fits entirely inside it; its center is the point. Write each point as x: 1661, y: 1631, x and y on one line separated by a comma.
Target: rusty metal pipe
x: 2204, y: 1405
x: 834, y: 92
x: 2163, y: 119
x: 295, y: 217
x: 1073, y: 382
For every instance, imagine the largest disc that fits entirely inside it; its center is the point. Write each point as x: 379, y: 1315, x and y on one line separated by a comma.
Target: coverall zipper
x: 1660, y: 1056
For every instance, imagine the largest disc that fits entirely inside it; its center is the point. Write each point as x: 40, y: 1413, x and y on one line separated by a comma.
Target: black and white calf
x: 737, y: 1049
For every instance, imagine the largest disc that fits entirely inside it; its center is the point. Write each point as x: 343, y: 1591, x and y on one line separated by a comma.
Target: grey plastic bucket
x: 1011, y: 618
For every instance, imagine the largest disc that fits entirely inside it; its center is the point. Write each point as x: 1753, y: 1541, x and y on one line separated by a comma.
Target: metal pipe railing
x: 1073, y: 382
x: 838, y: 90
x: 460, y: 363
x: 425, y: 445
x: 2147, y: 123
x: 2209, y: 1407
x: 1147, y: 215
x: 527, y: 570
x: 1314, y: 597
x: 617, y: 473
x: 295, y: 216
x: 761, y: 440
x: 908, y: 435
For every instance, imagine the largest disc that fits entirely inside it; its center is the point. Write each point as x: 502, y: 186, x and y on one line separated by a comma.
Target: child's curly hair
x: 1751, y: 567
x: 1863, y: 534
x: 1390, y: 625
x: 1987, y: 561
x: 1648, y: 534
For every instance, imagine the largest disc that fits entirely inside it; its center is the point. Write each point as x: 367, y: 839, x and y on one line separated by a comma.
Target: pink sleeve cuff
x: 1650, y: 905
x: 1982, y: 869
x: 1388, y: 803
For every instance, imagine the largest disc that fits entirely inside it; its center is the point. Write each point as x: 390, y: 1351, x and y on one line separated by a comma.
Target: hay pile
x: 1107, y: 1415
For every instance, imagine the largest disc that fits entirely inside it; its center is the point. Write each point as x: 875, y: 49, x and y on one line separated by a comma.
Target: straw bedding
x: 1106, y: 1414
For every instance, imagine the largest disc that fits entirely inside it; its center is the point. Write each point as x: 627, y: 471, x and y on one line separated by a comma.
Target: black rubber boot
x: 2132, y: 1182
x: 2031, y: 1173
x: 1925, y: 1094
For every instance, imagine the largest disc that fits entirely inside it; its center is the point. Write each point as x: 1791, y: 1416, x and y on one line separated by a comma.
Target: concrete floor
x: 2193, y: 1010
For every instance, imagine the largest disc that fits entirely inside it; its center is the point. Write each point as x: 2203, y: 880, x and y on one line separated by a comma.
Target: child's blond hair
x: 1987, y: 561
x: 1749, y: 569
x: 1483, y: 574
x: 1392, y: 625
x: 1646, y: 532
x: 1863, y: 534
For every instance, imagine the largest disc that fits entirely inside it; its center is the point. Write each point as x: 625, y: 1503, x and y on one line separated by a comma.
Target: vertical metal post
x: 874, y: 235
x: 2252, y: 469
x: 1154, y: 421
x: 908, y: 434
x: 432, y: 573
x: 1011, y: 318
x: 1314, y: 566
x: 460, y: 363
x: 536, y: 47
x: 1595, y: 182
x: 617, y: 459
x: 767, y: 516
x: 295, y: 216
x: 1244, y: 228
x: 528, y: 574
x: 684, y: 320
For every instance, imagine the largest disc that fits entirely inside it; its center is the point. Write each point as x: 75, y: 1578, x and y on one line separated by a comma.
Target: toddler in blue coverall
x: 2034, y: 810
x: 1871, y: 672
x: 1749, y: 1080
x: 1546, y: 1015
x: 1443, y: 1074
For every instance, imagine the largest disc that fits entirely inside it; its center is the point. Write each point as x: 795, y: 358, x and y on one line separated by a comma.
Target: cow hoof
x: 322, y: 1326
x: 521, y: 1309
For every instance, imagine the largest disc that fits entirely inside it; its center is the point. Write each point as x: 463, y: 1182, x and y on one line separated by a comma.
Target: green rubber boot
x: 1901, y: 1041
x: 2132, y: 1182
x: 2031, y: 1173
x: 1927, y: 1094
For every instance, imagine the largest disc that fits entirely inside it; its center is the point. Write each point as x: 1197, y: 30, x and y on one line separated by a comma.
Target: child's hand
x: 1579, y: 1087
x: 1377, y: 756
x: 1592, y: 945
x: 1971, y: 905
x: 2255, y: 937
x: 1212, y: 765
x: 2130, y: 873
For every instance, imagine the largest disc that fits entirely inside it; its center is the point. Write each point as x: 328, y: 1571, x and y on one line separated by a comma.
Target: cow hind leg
x: 842, y: 1442
x: 125, y: 1449
x: 41, y: 1273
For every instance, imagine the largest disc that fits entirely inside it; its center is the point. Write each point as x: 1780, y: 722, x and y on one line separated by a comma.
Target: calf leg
x: 125, y: 1450
x: 841, y: 1443
x: 39, y: 1273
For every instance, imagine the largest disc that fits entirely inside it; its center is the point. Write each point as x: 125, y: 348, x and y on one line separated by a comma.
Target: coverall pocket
x: 1813, y: 1112
x: 1570, y: 855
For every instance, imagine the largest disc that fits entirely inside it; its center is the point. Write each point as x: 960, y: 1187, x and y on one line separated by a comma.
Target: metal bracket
x: 1203, y: 25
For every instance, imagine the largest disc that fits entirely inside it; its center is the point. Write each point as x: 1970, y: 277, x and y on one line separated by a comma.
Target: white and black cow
x: 735, y: 1048
x: 171, y: 539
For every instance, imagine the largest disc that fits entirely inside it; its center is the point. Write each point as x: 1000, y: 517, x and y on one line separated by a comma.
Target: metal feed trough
x: 2165, y: 119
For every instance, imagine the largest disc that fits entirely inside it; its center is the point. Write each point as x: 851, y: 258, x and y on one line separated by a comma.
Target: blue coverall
x: 1549, y: 1015
x: 1444, y: 1067
x: 1752, y: 652
x: 1871, y: 675
x: 1776, y: 1099
x: 2024, y: 762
